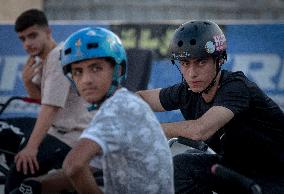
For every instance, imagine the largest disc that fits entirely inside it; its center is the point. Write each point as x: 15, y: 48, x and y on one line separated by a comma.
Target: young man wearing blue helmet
x: 217, y: 103
x: 124, y: 138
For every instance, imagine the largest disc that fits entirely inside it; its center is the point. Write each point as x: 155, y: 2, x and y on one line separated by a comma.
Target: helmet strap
x: 213, y: 82
x: 182, y: 78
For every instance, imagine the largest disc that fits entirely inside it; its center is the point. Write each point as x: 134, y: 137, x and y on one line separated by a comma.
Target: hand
x: 30, y: 70
x: 26, y: 159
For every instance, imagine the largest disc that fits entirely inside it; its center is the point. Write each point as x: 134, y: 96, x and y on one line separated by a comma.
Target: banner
x: 255, y: 49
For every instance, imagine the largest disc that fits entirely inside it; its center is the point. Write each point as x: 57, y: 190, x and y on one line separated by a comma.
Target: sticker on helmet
x: 182, y: 55
x: 112, y: 42
x: 78, y: 46
x: 210, y: 47
x: 220, y: 42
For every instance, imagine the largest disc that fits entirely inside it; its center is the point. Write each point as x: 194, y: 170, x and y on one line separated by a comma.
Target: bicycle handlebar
x: 22, y: 98
x: 199, y: 145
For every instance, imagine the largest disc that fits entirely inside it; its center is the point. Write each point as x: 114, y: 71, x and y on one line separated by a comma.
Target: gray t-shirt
x: 136, y: 157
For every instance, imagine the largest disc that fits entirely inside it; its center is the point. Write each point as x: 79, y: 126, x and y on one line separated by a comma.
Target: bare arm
x: 28, y: 73
x: 201, y: 128
x: 77, y: 168
x: 54, y: 181
x: 152, y: 98
x: 27, y: 157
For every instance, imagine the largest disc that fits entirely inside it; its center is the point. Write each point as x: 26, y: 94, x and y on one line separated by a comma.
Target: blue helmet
x: 98, y: 42
x: 89, y: 43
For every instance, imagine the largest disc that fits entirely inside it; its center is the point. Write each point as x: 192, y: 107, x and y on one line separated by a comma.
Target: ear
x: 48, y: 31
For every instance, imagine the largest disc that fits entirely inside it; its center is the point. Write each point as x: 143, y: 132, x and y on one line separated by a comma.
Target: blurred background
x: 148, y: 10
x: 254, y: 30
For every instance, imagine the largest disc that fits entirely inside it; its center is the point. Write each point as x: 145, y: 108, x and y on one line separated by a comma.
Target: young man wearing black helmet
x: 217, y: 103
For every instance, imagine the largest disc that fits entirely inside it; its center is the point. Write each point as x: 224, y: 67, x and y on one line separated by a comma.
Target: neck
x: 50, y: 45
x: 212, y: 92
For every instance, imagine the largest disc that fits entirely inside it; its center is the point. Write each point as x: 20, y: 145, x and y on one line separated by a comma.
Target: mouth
x: 195, y: 83
x: 31, y: 50
x: 88, y: 90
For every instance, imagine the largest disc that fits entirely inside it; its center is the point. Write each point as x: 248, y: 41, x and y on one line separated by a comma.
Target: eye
x: 202, y: 62
x: 95, y: 67
x: 33, y: 35
x: 22, y: 38
x: 184, y: 63
x: 76, y: 72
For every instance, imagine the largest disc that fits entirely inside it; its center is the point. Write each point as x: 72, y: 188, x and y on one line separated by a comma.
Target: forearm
x: 84, y: 182
x: 54, y: 182
x: 33, y: 90
x: 188, y: 129
x: 201, y: 128
x: 77, y: 168
x: 44, y: 121
x: 152, y: 98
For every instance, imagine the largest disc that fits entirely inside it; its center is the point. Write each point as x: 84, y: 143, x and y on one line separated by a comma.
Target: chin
x: 33, y: 53
x: 195, y: 90
x: 93, y: 99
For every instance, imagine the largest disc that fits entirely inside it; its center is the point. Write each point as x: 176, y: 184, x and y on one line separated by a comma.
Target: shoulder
x: 237, y: 81
x: 123, y: 100
x: 54, y: 54
x: 177, y: 91
x: 229, y: 76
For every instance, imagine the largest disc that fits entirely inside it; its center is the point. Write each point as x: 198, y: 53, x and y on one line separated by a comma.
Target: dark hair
x: 29, y: 18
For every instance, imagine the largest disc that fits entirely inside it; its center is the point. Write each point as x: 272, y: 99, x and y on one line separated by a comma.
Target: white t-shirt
x: 136, y: 157
x: 56, y: 90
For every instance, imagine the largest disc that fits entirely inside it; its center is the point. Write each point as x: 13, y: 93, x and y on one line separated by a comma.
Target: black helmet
x: 198, y: 39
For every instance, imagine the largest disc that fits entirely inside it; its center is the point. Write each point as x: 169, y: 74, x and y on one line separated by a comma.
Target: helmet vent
x: 180, y: 43
x: 193, y: 42
x: 182, y: 29
x: 67, y: 51
x: 92, y: 45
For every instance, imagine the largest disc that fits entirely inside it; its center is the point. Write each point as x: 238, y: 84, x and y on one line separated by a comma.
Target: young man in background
x: 63, y: 114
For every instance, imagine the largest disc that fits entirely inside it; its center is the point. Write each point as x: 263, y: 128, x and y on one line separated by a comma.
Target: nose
x: 86, y: 77
x: 191, y: 71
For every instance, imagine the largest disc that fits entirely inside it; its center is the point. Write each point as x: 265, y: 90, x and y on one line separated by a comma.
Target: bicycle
x: 10, y: 129
x: 223, y: 173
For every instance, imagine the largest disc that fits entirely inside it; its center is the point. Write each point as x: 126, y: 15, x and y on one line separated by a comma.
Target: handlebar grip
x: 236, y: 178
x: 200, y: 145
x: 31, y: 100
